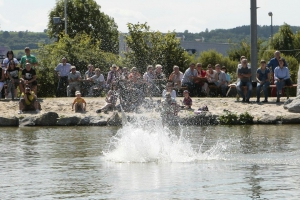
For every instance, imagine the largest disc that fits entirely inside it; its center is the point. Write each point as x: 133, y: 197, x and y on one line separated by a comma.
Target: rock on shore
x: 57, y: 112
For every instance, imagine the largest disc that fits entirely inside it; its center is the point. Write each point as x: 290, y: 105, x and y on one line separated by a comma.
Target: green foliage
x: 293, y: 66
x: 84, y: 16
x: 283, y: 40
x: 22, y: 39
x: 151, y: 48
x: 237, y: 50
x: 246, y: 118
x: 230, y: 118
x: 80, y: 51
x: 213, y: 57
x: 233, y: 35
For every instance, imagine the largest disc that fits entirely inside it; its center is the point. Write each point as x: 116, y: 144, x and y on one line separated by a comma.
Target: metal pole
x: 253, y: 36
x: 272, y: 29
x: 66, y: 24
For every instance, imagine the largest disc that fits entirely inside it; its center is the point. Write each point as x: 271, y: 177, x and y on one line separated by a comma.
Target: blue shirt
x: 273, y: 63
x: 263, y: 75
x: 281, y: 73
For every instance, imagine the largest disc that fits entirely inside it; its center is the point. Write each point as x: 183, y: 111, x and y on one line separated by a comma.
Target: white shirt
x: 173, y: 94
x: 98, y: 79
x: 64, y: 70
x: 6, y: 61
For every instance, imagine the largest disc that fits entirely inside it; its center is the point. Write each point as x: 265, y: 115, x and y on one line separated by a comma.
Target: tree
x: 85, y: 16
x: 6, y: 34
x: 80, y: 51
x: 283, y: 40
x: 150, y: 48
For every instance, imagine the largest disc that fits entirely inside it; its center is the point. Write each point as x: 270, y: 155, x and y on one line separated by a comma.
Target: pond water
x: 142, y: 161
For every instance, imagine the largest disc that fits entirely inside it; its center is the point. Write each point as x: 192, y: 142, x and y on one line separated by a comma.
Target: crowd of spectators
x: 131, y: 87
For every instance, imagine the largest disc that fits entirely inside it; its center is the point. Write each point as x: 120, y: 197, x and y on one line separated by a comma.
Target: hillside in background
x: 234, y: 35
x: 19, y: 40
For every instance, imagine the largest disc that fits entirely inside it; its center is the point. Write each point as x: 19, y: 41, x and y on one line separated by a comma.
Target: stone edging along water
x: 114, y: 119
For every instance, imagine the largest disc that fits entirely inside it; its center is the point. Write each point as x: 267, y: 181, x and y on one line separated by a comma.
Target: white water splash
x: 151, y: 142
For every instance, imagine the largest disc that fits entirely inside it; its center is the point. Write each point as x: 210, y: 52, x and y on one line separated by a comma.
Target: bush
x: 230, y: 118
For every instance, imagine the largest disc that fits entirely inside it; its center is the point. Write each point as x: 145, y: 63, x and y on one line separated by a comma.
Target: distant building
x: 198, y: 47
x: 192, y: 47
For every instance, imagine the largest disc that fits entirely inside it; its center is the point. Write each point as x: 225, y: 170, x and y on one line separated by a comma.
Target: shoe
x: 247, y: 101
x: 20, y: 112
x: 265, y: 101
x: 244, y: 99
x: 257, y: 101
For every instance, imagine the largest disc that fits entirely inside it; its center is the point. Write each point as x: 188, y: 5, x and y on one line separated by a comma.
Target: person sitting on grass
x: 28, y: 101
x: 111, y: 100
x: 79, y: 103
x: 187, y: 100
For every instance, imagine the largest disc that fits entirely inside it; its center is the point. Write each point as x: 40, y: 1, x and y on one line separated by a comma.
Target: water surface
x: 150, y: 162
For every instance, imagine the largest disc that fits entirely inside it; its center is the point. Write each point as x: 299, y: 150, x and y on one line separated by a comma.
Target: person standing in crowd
x: 272, y: 64
x: 263, y: 76
x: 28, y: 58
x: 176, y: 77
x: 244, y: 74
x: 281, y: 77
x: 62, y: 71
x: 13, y: 82
x: 188, y: 78
x: 9, y: 57
x: 221, y: 80
x: 28, y: 78
x: 74, y: 79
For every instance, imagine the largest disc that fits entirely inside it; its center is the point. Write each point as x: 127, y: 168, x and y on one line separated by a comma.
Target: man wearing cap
x: 28, y: 101
x: 62, y: 71
x: 74, y: 79
x: 28, y: 58
x: 28, y: 78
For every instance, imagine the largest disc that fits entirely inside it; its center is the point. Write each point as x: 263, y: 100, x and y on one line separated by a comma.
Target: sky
x: 161, y: 15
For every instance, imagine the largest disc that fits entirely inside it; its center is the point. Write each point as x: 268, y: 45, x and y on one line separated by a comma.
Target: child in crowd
x: 111, y: 99
x: 187, y: 101
x: 79, y: 103
x: 169, y: 88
